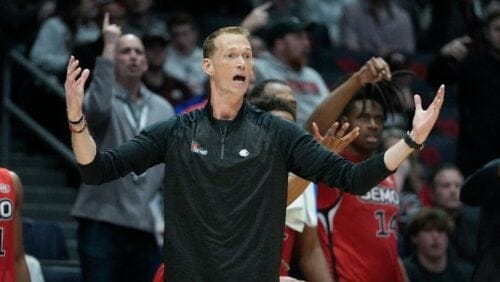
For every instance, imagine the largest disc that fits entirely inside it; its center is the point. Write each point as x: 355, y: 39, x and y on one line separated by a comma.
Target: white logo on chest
x: 244, y: 153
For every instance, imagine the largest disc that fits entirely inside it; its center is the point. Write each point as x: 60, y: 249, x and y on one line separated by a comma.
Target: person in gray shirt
x: 116, y: 239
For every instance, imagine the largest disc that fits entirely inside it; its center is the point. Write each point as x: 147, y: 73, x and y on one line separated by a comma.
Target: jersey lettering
x: 381, y: 196
x: 6, y: 210
x: 386, y: 227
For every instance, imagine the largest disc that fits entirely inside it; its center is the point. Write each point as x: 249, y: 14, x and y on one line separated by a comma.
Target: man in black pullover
x: 228, y: 164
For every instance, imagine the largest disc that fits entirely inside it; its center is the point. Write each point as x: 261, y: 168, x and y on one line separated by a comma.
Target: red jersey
x: 286, y: 250
x: 359, y: 233
x: 7, y: 204
x: 160, y: 274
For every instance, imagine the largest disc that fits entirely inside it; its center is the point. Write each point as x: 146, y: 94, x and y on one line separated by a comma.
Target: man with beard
x: 288, y: 41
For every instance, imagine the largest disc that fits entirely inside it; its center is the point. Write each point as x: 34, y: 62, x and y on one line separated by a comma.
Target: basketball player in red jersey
x: 359, y: 233
x: 13, y: 267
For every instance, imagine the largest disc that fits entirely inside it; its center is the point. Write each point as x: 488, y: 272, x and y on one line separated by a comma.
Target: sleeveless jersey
x: 7, y: 204
x: 359, y: 233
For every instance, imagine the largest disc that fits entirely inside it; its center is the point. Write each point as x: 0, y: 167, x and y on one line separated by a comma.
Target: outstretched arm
x: 422, y: 124
x: 330, y: 109
x: 311, y: 258
x: 22, y: 273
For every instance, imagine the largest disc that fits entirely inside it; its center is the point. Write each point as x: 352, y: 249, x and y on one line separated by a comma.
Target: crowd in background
x: 425, y: 43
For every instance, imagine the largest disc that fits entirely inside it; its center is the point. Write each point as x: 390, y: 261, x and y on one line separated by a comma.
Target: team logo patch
x: 196, y: 148
x: 4, y: 188
x: 244, y: 153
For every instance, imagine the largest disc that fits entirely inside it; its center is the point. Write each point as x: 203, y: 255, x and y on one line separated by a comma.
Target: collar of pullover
x: 237, y: 120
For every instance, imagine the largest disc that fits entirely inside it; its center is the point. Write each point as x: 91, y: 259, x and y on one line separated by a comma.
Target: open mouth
x: 239, y: 78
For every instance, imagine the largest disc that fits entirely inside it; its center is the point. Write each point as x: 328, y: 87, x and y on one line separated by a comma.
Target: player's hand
x: 335, y: 139
x: 374, y: 70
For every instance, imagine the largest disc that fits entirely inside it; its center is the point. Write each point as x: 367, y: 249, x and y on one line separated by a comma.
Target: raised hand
x: 110, y: 33
x: 74, y: 88
x: 373, y: 71
x: 457, y: 48
x: 335, y: 140
x: 424, y: 120
x: 257, y: 18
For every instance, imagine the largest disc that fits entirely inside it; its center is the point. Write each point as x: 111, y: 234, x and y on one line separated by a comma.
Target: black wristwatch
x: 410, y: 142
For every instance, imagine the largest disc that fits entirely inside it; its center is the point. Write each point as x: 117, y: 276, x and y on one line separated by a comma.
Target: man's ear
x: 207, y: 66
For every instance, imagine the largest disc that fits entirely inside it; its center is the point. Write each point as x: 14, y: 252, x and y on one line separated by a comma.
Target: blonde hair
x: 209, y: 44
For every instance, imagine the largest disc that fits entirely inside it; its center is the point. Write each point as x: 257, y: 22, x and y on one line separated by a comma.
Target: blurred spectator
x: 324, y: 12
x: 222, y: 8
x: 420, y: 15
x: 254, y: 23
x: 184, y: 54
x: 354, y: 230
x: 20, y: 21
x: 475, y: 70
x: 170, y: 88
x: 88, y: 52
x: 141, y: 18
x: 116, y: 231
x: 13, y: 265
x: 281, y: 8
x: 377, y: 27
x: 445, y: 194
x: 258, y: 46
x: 430, y: 229
x: 289, y: 45
x: 451, y: 19
x: 72, y: 25
x: 482, y: 189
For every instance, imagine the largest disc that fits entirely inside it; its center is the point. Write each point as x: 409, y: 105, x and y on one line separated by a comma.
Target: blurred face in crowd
x: 493, y: 33
x: 88, y: 9
x: 281, y: 91
x: 156, y: 54
x: 116, y: 12
x: 294, y: 49
x: 184, y: 38
x: 368, y: 115
x: 258, y: 46
x: 230, y: 63
x: 138, y: 6
x: 431, y: 243
x: 446, y: 188
x: 130, y: 58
